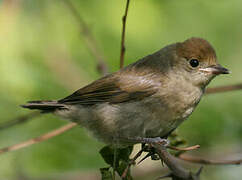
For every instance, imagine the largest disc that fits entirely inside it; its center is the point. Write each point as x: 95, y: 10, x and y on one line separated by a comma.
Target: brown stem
x: 184, y: 149
x: 91, y: 43
x: 226, y: 88
x: 132, y: 161
x: 38, y: 139
x: 19, y: 120
x: 122, y: 53
x: 199, y: 160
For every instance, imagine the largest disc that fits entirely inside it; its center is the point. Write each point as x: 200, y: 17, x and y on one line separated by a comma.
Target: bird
x: 144, y: 101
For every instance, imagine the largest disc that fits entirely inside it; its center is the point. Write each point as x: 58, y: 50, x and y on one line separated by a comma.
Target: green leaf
x: 106, y: 173
x: 122, y: 159
x: 107, y: 154
x: 124, y: 153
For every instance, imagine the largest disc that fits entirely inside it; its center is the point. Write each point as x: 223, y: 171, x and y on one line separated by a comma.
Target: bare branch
x: 91, y: 43
x: 38, y: 139
x: 226, y: 88
x: 122, y: 53
x: 184, y: 149
x: 19, y: 120
x: 199, y: 160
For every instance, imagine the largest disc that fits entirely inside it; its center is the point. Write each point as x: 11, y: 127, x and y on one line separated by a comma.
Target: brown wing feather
x: 112, y: 89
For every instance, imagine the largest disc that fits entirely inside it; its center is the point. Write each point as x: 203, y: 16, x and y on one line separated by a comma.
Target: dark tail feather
x: 45, y: 106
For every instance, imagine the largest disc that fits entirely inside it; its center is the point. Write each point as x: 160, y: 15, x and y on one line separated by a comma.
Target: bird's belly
x: 163, y: 122
x: 127, y: 121
x: 132, y: 120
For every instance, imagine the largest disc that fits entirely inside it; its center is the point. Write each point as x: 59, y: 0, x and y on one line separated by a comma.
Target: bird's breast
x: 176, y: 103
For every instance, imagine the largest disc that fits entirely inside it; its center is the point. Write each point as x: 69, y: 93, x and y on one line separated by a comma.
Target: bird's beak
x: 215, y: 69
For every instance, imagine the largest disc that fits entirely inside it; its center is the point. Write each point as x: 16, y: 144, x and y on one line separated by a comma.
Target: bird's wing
x: 113, y: 89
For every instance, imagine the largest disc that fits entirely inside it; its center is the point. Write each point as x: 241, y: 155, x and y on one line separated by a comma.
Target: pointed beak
x: 215, y: 69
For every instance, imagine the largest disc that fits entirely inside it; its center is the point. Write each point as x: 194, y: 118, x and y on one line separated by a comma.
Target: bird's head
x: 196, y: 60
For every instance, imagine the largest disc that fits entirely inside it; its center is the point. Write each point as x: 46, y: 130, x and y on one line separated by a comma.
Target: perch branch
x: 122, y: 53
x: 177, y: 171
x: 38, y: 139
x: 226, y: 88
x: 90, y: 41
x: 199, y: 160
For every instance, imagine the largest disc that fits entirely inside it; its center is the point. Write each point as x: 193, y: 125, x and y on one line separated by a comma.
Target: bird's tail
x: 44, y: 106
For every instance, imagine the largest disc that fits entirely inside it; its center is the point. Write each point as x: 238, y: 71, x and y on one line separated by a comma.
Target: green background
x: 43, y: 55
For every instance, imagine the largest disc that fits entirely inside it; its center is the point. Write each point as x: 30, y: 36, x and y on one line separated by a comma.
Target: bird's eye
x: 194, y: 62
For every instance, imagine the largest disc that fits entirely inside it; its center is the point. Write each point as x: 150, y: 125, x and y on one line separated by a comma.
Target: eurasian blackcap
x: 144, y: 100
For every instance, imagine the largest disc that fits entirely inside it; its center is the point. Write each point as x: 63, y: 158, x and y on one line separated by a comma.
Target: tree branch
x: 44, y: 137
x: 91, y: 43
x: 199, y: 160
x: 122, y: 53
x: 177, y: 171
x: 226, y: 88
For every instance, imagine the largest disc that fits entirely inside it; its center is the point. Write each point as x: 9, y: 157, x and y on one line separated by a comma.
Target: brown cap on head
x: 197, y: 48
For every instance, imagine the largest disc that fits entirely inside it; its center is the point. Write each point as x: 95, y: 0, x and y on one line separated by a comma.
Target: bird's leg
x: 144, y: 140
x: 149, y: 148
x: 151, y: 153
x: 158, y: 140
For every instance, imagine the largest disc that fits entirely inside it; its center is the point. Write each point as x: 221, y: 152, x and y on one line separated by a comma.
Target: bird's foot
x: 143, y: 140
x: 158, y: 140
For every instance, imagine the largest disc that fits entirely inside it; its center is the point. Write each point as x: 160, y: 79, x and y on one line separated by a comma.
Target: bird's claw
x: 157, y: 140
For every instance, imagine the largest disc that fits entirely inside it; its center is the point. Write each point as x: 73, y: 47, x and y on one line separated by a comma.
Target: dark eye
x: 194, y: 62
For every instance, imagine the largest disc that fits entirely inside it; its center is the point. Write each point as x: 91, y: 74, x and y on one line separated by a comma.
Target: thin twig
x: 38, y: 139
x: 224, y: 88
x: 199, y: 160
x: 185, y: 148
x: 132, y: 161
x: 91, y: 43
x: 122, y: 53
x: 19, y: 120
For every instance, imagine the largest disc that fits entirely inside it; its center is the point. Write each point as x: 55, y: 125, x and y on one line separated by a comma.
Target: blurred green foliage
x: 40, y: 40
